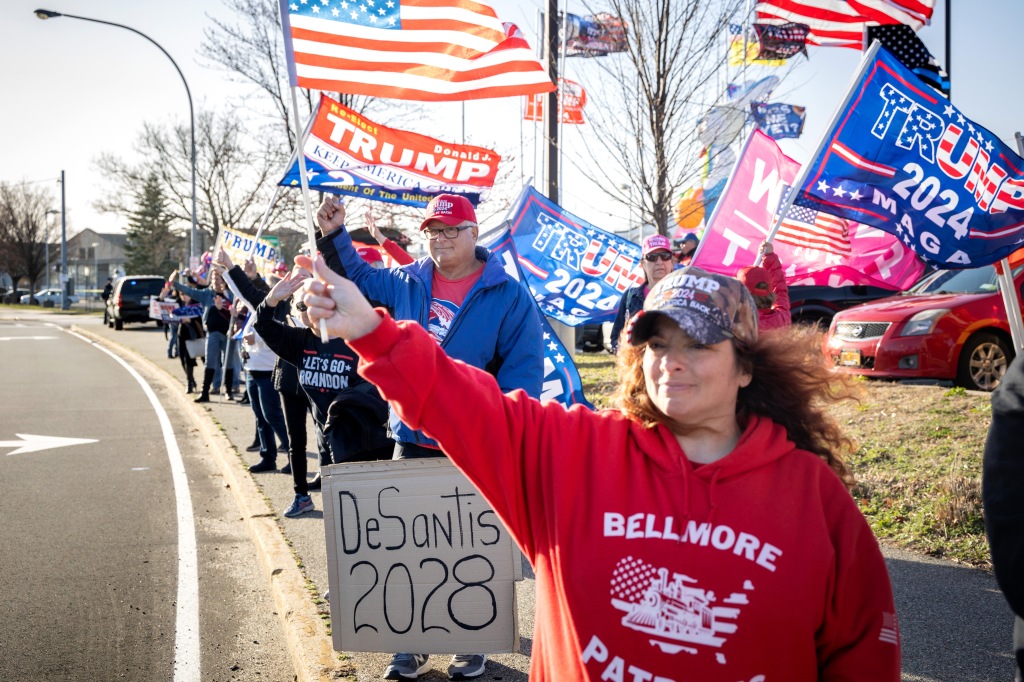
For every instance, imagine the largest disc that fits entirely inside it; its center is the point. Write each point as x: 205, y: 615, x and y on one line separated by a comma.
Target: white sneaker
x: 406, y: 666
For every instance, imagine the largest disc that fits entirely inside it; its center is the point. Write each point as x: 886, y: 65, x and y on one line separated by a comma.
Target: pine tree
x: 152, y: 246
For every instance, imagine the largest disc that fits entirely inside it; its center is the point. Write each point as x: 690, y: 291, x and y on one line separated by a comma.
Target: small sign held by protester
x: 162, y: 310
x: 417, y: 561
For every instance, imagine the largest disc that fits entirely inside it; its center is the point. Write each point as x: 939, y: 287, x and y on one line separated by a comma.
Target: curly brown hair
x: 791, y: 385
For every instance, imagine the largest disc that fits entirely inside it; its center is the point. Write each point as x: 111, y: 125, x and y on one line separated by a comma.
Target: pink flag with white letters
x: 813, y: 248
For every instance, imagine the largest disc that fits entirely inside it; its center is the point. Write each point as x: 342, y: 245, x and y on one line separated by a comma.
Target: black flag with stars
x: 901, y: 40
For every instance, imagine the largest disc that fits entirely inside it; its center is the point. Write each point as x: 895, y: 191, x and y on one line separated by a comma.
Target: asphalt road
x: 113, y: 567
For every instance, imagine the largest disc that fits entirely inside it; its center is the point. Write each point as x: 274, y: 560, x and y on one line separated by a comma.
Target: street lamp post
x: 49, y: 229
x: 50, y: 14
x: 95, y: 270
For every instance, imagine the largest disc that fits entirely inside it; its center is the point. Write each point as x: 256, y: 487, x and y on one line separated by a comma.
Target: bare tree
x: 23, y: 231
x: 651, y: 97
x: 236, y: 174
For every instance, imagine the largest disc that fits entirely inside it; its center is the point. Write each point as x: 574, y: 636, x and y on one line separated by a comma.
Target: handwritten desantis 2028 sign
x: 902, y: 159
x: 577, y: 272
x: 417, y: 561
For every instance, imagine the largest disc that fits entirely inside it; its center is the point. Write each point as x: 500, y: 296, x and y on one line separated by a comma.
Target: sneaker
x: 287, y: 468
x: 203, y: 398
x: 406, y: 666
x: 262, y: 466
x: 465, y: 666
x: 255, y: 447
x: 301, y: 505
x: 215, y: 391
x: 315, y: 483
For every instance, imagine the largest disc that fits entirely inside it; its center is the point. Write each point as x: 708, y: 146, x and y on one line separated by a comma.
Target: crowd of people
x: 704, y: 529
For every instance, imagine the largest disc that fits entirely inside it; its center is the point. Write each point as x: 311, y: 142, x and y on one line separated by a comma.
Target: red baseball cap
x: 450, y: 209
x: 370, y: 254
x: 757, y: 279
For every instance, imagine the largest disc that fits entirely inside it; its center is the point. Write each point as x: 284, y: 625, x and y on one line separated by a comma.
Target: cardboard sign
x: 161, y: 310
x: 417, y: 561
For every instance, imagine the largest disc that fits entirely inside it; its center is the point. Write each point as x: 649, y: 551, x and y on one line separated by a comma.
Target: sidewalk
x: 955, y: 625
x: 301, y: 610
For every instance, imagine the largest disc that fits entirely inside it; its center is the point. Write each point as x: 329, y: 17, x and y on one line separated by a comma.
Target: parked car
x: 808, y: 305
x: 812, y: 304
x: 129, y: 301
x: 51, y: 296
x: 950, y: 326
x: 11, y: 295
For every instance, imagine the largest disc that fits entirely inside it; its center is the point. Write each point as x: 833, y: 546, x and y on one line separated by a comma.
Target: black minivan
x: 129, y: 301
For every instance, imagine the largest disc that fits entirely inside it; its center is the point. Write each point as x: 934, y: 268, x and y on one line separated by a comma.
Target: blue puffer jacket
x: 497, y: 328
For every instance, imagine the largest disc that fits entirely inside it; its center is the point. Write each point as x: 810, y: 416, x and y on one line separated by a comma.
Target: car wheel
x: 983, y: 361
x: 119, y: 324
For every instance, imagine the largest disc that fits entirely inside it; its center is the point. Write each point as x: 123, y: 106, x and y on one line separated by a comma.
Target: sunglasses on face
x: 657, y: 256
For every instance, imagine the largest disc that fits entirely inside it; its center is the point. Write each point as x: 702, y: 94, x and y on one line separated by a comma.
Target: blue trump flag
x: 577, y: 272
x: 561, y: 378
x: 778, y: 121
x: 900, y: 158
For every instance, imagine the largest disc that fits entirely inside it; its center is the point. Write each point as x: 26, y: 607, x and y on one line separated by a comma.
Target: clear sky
x: 74, y: 90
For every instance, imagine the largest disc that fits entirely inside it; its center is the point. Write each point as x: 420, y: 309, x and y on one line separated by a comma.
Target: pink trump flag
x: 814, y: 248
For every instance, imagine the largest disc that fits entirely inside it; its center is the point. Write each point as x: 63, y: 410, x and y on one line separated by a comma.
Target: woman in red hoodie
x: 704, y: 531
x: 767, y: 284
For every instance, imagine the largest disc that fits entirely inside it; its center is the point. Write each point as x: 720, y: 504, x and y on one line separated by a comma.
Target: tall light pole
x: 64, y: 303
x: 50, y: 14
x: 49, y: 212
x: 95, y: 269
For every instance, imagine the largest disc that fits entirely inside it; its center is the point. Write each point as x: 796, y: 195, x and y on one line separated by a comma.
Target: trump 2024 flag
x: 902, y: 159
x: 810, y: 251
x: 429, y: 50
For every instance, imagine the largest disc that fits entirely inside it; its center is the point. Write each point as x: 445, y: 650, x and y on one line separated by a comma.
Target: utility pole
x: 551, y: 112
x: 64, y: 303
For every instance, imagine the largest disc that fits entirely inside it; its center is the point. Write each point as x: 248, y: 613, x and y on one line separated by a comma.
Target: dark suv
x: 129, y: 300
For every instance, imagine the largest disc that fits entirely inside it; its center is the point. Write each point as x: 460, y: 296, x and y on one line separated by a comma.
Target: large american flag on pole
x: 841, y: 23
x: 430, y: 50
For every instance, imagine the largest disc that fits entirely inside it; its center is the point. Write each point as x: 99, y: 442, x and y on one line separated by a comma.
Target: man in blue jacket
x: 479, y: 314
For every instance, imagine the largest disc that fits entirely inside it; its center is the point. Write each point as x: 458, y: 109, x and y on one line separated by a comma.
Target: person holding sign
x: 702, y: 531
x: 471, y: 308
x: 657, y: 262
x: 767, y: 285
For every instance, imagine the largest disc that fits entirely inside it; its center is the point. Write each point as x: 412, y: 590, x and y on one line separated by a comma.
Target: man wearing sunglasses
x: 657, y: 262
x: 467, y: 301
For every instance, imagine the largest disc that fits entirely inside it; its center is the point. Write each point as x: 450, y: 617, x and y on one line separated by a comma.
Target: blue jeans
x: 217, y: 348
x: 266, y: 405
x: 172, y: 345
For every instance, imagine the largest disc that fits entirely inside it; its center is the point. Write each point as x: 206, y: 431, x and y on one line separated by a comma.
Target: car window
x: 142, y: 287
x: 973, y: 281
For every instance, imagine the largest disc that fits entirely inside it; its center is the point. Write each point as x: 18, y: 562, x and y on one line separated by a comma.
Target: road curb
x: 309, y: 645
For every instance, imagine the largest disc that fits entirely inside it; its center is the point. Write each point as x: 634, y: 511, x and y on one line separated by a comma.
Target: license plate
x: 849, y: 358
x: 145, y: 299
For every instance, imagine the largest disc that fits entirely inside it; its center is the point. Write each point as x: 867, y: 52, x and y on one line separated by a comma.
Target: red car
x: 951, y: 325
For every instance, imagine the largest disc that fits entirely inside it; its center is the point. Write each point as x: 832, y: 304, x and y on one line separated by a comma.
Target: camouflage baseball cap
x: 707, y: 306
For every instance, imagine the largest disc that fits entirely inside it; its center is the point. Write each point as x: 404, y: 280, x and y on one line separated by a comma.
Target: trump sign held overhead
x: 347, y: 153
x: 902, y: 159
x: 577, y: 272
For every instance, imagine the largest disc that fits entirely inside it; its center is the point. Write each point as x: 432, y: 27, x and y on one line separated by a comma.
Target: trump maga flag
x: 561, y: 378
x: 577, y: 272
x: 814, y: 248
x: 430, y: 50
x: 347, y: 153
x: 904, y: 160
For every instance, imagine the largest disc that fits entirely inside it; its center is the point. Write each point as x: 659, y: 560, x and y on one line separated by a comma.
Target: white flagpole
x: 804, y: 169
x: 266, y: 217
x: 1013, y: 315
x: 310, y: 224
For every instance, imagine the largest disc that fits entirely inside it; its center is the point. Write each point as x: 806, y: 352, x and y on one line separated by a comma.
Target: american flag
x: 807, y: 228
x: 841, y: 23
x: 911, y: 51
x: 430, y: 50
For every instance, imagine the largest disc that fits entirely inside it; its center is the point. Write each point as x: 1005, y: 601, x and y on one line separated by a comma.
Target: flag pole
x: 293, y: 80
x: 805, y: 168
x: 1007, y: 288
x: 266, y: 217
x: 725, y: 190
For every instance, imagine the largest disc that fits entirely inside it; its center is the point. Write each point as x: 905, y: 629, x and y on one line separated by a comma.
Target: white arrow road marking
x: 31, y: 443
x: 27, y: 338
